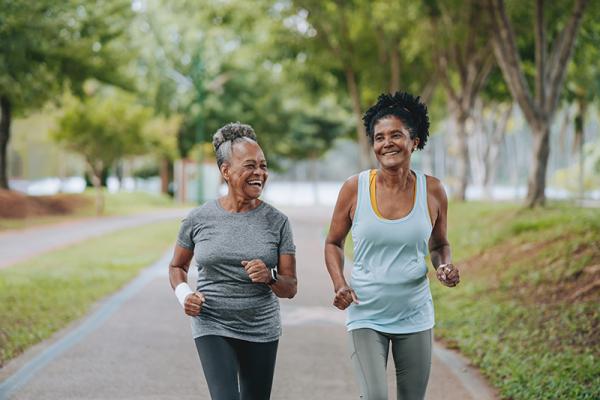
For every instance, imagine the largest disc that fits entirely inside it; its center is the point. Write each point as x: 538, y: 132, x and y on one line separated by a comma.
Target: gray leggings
x: 236, y: 369
x: 412, y: 357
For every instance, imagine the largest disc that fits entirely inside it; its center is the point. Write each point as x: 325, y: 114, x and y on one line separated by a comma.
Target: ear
x: 417, y: 141
x: 225, y: 171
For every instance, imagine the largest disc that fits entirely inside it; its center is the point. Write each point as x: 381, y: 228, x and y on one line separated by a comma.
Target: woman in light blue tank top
x: 397, y: 216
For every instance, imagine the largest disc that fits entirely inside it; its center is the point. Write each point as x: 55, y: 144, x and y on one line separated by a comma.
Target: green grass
x: 121, y: 203
x: 42, y: 295
x: 134, y: 202
x: 513, y: 314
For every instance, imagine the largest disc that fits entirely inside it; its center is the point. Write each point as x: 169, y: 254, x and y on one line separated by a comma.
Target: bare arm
x: 179, y: 265
x: 178, y: 270
x: 439, y: 246
x: 341, y: 222
x: 287, y: 283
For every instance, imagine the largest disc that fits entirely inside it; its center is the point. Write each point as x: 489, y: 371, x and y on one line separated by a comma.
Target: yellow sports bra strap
x: 372, y: 179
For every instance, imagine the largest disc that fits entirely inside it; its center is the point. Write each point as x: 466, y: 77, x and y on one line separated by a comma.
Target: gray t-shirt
x: 234, y: 305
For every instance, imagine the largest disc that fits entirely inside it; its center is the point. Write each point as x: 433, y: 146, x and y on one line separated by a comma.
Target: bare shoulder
x: 346, y: 201
x: 350, y: 186
x: 435, y: 187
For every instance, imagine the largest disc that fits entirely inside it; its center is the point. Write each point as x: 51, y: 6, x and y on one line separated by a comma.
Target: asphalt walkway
x: 137, y: 344
x: 23, y: 244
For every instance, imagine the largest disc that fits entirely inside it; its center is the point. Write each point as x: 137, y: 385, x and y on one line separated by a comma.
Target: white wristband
x: 182, y: 291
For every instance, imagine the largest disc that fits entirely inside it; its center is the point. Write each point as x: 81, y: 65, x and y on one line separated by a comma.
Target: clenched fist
x: 193, y: 304
x: 344, y: 296
x: 448, y: 274
x: 257, y: 271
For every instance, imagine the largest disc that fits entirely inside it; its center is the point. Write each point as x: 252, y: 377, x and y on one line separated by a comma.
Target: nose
x: 258, y: 171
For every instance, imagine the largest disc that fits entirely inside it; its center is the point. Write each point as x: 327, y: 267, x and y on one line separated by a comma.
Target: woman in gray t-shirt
x: 244, y: 251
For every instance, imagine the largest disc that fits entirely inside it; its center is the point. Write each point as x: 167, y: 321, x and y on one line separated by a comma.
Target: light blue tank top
x: 390, y: 274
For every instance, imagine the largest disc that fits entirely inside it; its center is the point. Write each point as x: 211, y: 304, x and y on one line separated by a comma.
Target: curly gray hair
x: 227, y: 136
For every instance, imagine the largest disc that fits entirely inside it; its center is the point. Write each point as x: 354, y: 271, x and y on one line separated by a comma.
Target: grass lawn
x: 135, y: 202
x: 43, y: 294
x: 121, y: 203
x: 526, y: 311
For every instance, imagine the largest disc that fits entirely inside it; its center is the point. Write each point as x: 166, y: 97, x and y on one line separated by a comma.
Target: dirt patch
x: 18, y: 205
x: 580, y: 285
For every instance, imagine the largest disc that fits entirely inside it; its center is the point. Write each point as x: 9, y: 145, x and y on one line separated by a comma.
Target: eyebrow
x: 393, y: 131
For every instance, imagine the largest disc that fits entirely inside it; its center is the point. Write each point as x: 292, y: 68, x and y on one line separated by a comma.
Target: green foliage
x: 103, y: 129
x: 583, y: 74
x: 47, y: 44
x: 312, y: 132
x: 366, y: 41
x: 70, y: 281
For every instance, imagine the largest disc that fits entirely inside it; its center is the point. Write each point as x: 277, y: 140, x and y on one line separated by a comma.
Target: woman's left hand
x: 257, y: 271
x: 448, y: 274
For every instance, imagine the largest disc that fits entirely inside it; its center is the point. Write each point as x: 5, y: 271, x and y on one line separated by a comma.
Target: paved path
x: 137, y: 345
x: 21, y: 245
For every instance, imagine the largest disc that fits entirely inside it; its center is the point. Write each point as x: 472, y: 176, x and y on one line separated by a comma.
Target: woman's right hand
x: 193, y: 304
x: 344, y: 296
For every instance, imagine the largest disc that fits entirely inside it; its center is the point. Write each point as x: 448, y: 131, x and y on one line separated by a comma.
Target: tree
x: 215, y: 64
x: 464, y: 59
x: 313, y: 131
x: 583, y: 85
x: 368, y: 47
x: 103, y: 129
x: 342, y: 29
x: 49, y: 45
x: 490, y: 122
x: 550, y: 69
x: 161, y: 135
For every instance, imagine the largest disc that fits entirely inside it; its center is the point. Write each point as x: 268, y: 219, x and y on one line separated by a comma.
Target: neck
x: 233, y: 203
x: 398, y: 177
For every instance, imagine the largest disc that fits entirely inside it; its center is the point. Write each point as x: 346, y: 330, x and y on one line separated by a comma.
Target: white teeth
x: 259, y: 183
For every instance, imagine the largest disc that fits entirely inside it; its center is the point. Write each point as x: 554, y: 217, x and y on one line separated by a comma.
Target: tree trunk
x: 536, y: 184
x: 498, y: 135
x: 165, y: 175
x: 462, y: 171
x: 364, y: 151
x: 119, y: 173
x: 96, y: 175
x: 578, y: 145
x: 479, y: 145
x: 549, y: 75
x: 99, y: 195
x: 5, y: 122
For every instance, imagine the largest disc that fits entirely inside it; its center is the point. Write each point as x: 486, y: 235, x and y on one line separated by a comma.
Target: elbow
x: 293, y: 290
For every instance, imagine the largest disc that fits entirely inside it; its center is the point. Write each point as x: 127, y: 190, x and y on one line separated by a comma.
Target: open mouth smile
x: 256, y: 183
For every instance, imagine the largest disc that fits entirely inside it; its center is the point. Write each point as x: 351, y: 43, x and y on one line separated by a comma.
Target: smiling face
x: 246, y: 171
x: 392, y: 143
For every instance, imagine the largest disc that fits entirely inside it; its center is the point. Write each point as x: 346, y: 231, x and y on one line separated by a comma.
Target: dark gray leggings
x: 412, y: 357
x: 224, y: 359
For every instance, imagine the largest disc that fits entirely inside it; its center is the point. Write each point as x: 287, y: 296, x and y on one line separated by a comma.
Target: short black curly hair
x: 408, y: 108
